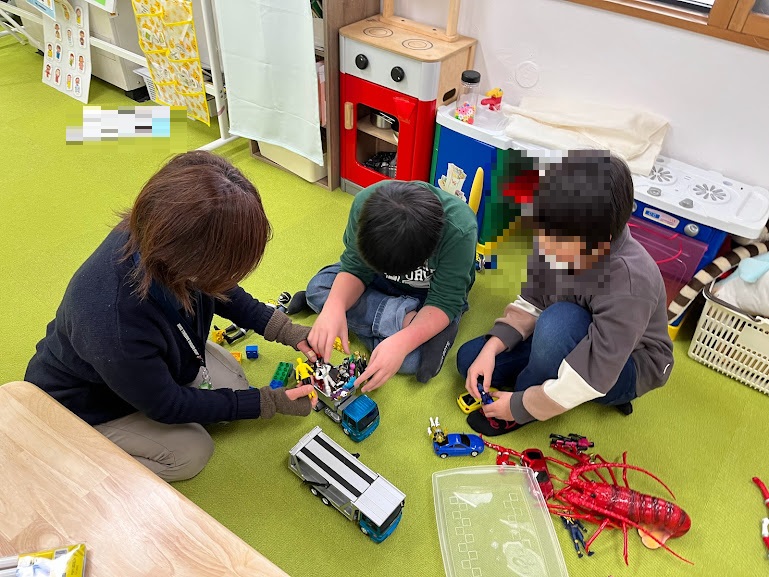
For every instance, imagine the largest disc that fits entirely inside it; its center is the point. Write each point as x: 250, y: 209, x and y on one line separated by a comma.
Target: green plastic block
x: 283, y: 373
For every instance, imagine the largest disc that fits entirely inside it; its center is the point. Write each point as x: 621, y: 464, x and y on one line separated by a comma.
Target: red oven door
x: 361, y: 140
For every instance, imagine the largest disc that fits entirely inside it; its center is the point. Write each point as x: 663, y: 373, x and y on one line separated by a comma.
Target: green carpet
x: 703, y: 433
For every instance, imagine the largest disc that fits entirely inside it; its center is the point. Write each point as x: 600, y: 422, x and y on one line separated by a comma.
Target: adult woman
x: 127, y: 351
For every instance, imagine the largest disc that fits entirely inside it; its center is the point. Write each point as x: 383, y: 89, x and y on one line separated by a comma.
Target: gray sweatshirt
x: 625, y: 295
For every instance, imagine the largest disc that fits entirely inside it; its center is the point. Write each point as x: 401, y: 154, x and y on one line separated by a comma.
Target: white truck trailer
x: 342, y: 481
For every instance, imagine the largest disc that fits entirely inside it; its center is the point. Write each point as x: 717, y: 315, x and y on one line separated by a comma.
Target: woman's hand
x: 303, y: 391
x: 305, y: 348
x: 385, y: 361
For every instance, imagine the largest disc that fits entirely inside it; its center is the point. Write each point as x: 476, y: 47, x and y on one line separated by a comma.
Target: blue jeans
x: 379, y: 312
x: 559, y: 329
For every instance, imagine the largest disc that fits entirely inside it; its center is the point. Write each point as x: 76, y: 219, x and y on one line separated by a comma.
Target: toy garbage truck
x: 340, y: 480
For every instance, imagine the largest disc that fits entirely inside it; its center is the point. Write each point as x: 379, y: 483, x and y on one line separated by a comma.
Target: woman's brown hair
x: 198, y: 224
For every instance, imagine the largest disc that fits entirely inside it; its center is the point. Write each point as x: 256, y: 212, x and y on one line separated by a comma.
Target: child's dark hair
x: 399, y: 227
x: 589, y: 195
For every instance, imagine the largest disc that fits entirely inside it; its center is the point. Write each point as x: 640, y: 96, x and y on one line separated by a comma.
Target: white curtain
x: 270, y: 74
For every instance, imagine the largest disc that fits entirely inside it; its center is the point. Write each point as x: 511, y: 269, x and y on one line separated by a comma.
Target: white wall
x: 713, y: 92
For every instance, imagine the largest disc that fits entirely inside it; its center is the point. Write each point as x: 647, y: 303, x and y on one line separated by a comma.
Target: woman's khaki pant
x: 175, y: 452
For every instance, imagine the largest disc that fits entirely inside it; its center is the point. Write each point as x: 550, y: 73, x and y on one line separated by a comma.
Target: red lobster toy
x: 765, y: 520
x: 611, y: 504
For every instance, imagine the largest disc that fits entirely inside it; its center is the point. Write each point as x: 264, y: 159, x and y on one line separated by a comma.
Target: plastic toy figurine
x: 486, y: 398
x: 493, y: 99
x: 572, y: 442
x: 303, y: 372
x: 453, y: 444
x: 338, y: 345
x: 252, y: 352
x: 576, y: 529
x: 358, y: 415
x: 765, y: 520
x: 338, y: 478
x: 281, y: 303
x: 238, y: 356
x: 468, y: 403
x: 231, y: 334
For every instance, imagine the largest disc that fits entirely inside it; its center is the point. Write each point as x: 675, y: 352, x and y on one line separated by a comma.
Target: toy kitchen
x: 394, y: 75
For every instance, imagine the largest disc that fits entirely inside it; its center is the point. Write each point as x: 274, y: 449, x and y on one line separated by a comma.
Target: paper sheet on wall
x: 67, y: 50
x: 45, y: 6
x: 272, y: 82
x: 167, y: 38
x: 108, y: 5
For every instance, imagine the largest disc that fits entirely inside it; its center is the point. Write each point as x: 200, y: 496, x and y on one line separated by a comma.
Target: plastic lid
x: 471, y: 76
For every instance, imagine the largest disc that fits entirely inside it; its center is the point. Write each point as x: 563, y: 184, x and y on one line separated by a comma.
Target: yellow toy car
x: 467, y: 403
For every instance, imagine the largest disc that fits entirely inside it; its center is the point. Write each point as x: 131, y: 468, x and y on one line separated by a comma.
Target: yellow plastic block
x: 238, y: 356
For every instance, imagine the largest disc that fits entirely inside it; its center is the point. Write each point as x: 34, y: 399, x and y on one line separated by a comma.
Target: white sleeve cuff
x: 569, y: 389
x: 525, y: 305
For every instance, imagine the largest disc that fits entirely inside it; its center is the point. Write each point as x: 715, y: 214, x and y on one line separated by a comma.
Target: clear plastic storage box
x: 493, y: 522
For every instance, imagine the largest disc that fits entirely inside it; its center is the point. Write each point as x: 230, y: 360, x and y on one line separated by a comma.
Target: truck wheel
x: 325, y: 501
x: 474, y: 454
x: 346, y: 431
x: 443, y: 455
x: 314, y: 491
x: 363, y: 530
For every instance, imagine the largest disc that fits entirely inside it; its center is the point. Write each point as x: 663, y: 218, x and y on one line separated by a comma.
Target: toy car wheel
x: 346, y: 432
x: 314, y: 491
x: 363, y: 530
x: 474, y: 454
x: 443, y: 455
x: 325, y: 501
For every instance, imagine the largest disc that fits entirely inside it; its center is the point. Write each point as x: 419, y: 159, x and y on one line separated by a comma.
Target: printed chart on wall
x: 67, y: 49
x: 167, y: 38
x: 45, y: 6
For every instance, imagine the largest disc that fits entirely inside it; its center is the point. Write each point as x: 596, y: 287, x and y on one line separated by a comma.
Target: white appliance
x: 682, y: 192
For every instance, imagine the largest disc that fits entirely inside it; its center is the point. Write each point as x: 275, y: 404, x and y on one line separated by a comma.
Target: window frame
x: 731, y: 20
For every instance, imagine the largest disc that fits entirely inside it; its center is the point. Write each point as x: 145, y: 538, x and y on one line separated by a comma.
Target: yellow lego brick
x: 238, y: 356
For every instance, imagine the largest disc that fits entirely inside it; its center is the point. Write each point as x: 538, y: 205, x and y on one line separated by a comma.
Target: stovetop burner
x: 377, y: 32
x: 710, y: 193
x: 417, y: 44
x: 662, y: 174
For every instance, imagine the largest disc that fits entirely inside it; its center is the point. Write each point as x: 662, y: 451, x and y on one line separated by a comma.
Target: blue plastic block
x: 252, y: 352
x: 276, y: 384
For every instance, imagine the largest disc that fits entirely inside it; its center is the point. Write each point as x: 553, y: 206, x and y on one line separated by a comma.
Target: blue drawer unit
x: 712, y: 237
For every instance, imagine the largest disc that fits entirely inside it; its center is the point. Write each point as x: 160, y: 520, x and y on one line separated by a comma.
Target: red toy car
x: 535, y: 460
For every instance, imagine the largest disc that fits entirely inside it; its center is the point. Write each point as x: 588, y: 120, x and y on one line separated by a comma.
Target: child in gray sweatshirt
x: 590, y: 321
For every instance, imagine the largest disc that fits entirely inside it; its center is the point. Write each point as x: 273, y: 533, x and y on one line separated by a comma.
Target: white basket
x: 732, y: 343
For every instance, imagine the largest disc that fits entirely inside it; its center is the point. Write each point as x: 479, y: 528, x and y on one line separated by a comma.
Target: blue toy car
x: 459, y: 445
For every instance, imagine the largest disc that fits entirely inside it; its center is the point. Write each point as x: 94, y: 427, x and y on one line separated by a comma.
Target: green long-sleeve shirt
x: 448, y: 274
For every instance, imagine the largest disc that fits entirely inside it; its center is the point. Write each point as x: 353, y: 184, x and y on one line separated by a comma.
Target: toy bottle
x: 469, y: 93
